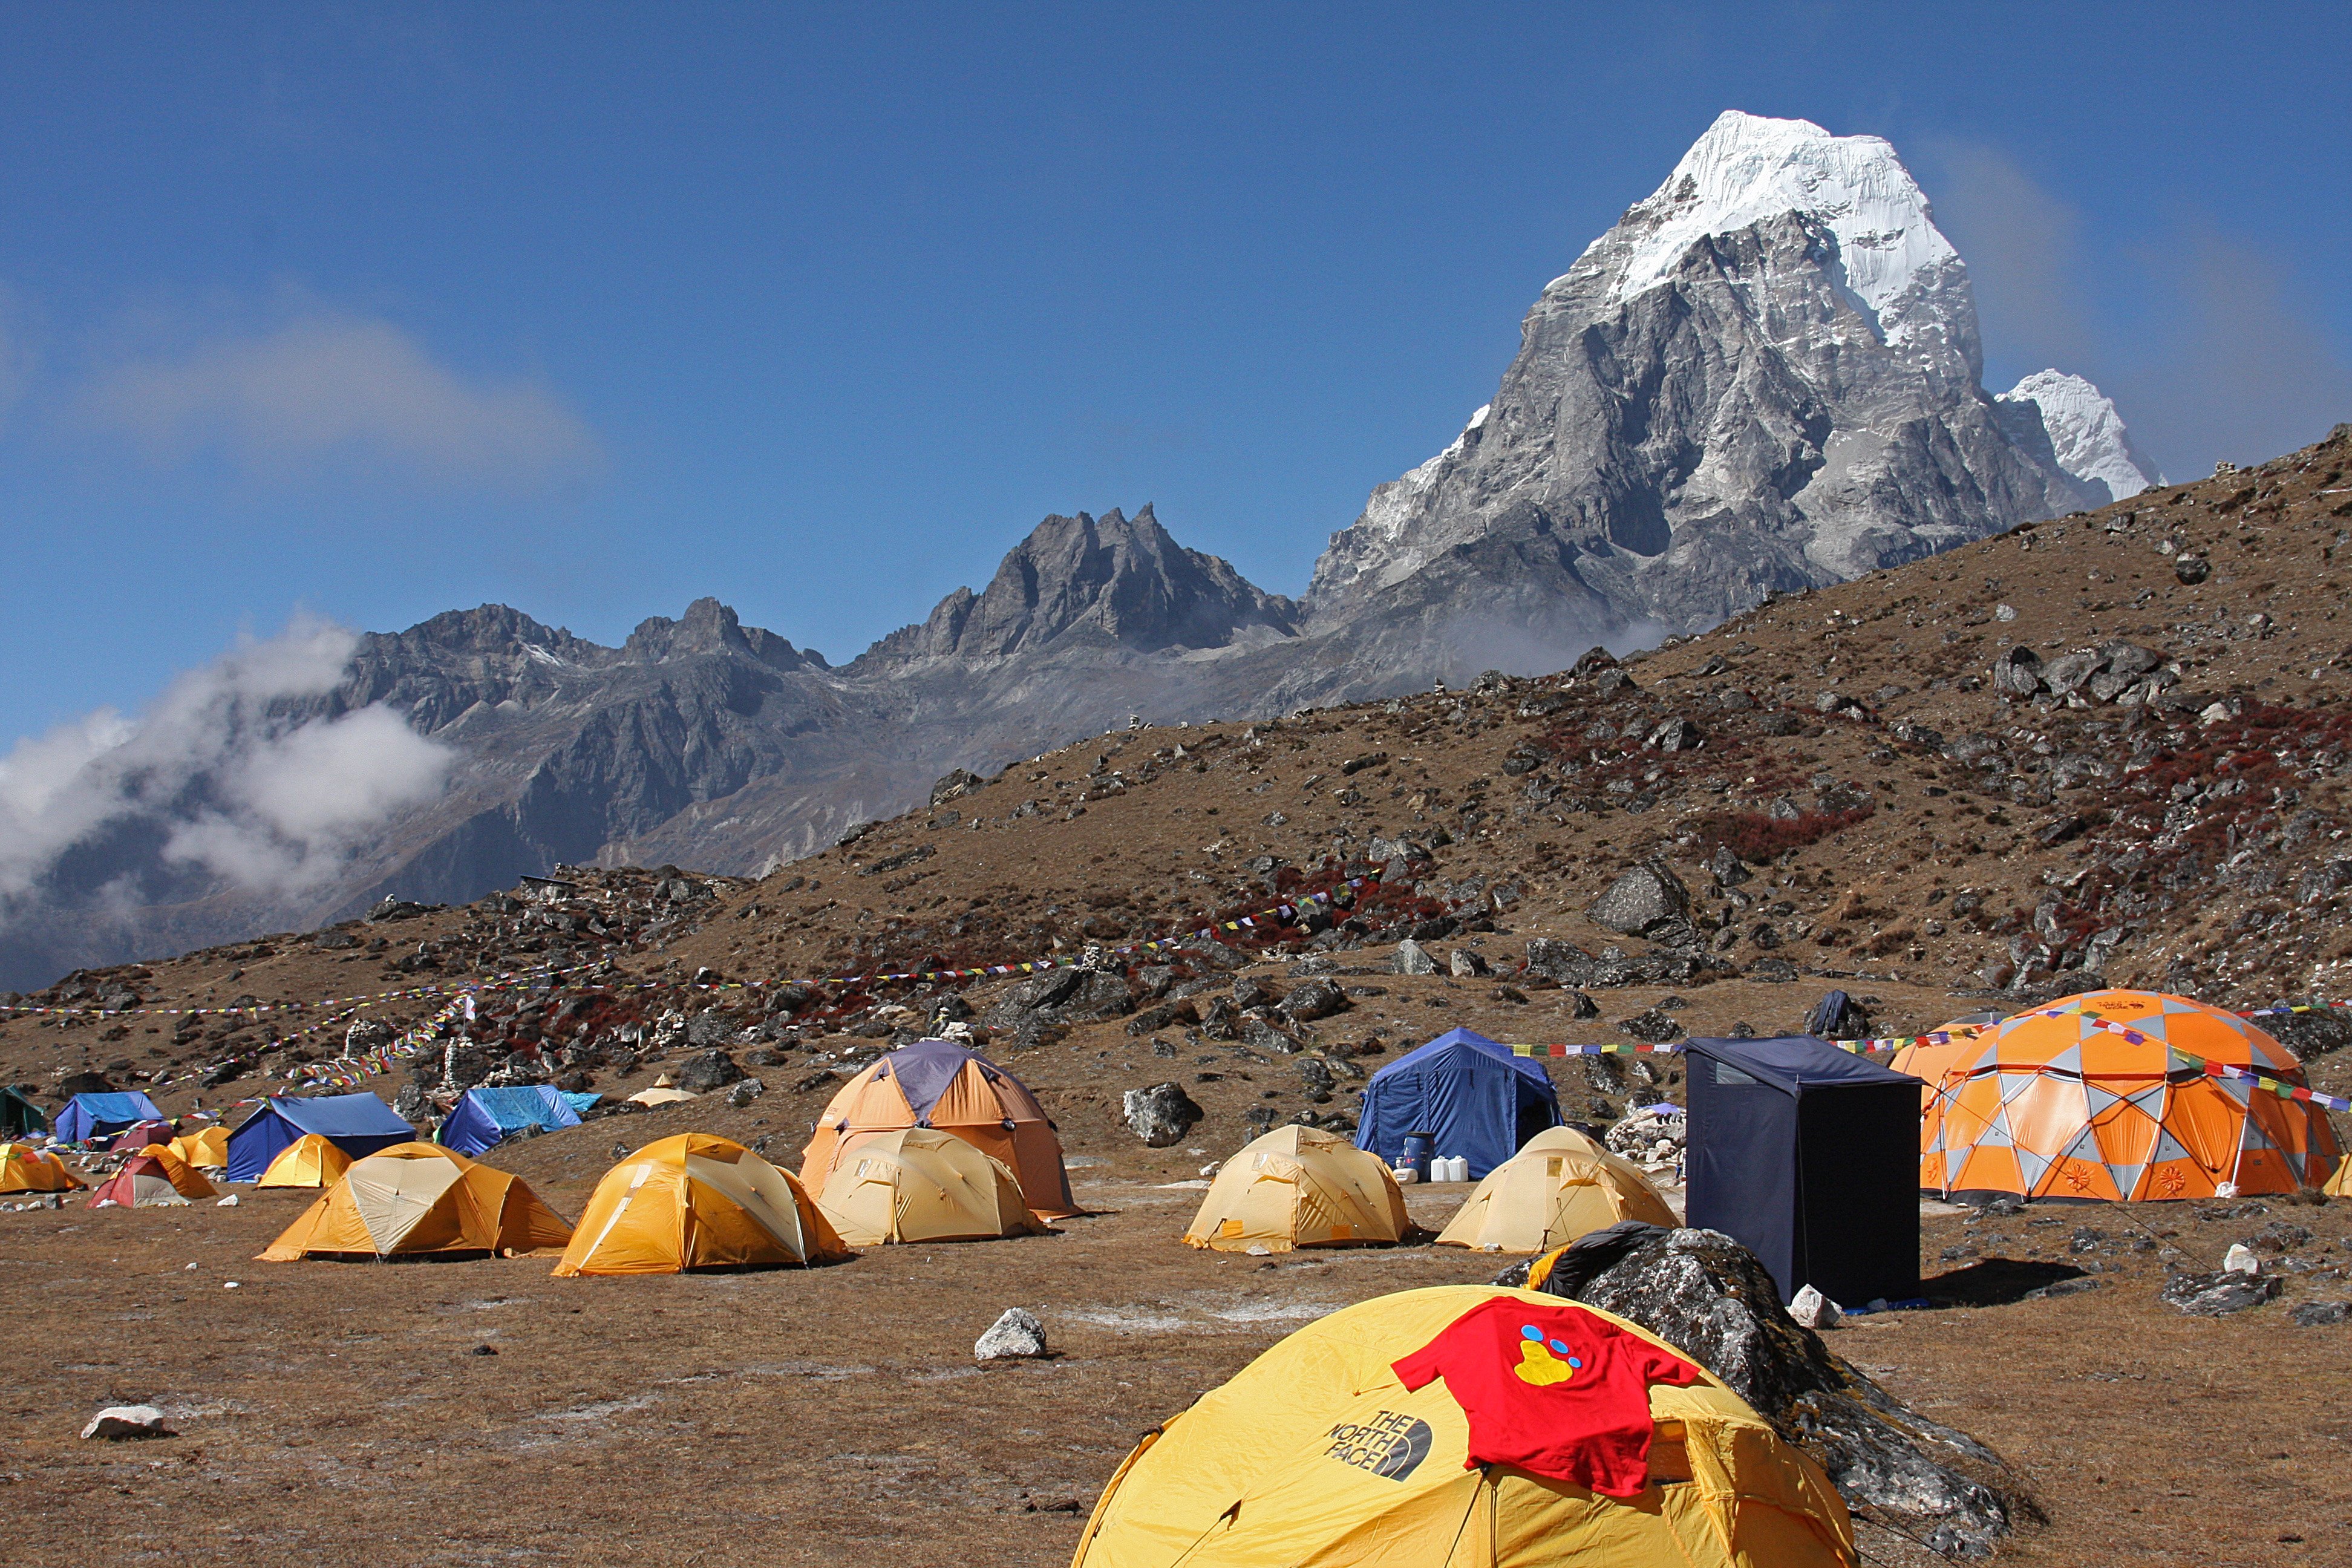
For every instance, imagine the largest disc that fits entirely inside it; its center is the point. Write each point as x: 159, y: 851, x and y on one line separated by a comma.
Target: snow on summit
x: 2086, y: 434
x: 1747, y: 168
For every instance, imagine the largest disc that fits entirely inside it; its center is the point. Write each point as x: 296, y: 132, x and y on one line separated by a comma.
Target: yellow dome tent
x: 1559, y: 1186
x: 1316, y: 1453
x: 697, y: 1201
x: 420, y: 1200
x: 660, y: 1094
x: 917, y: 1184
x: 311, y: 1160
x: 208, y: 1150
x: 25, y: 1169
x: 1297, y: 1186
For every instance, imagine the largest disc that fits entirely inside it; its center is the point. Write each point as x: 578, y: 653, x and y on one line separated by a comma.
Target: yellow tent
x: 660, y: 1094
x: 25, y: 1169
x: 208, y: 1150
x: 1559, y: 1186
x: 917, y: 1184
x: 420, y: 1200
x: 1316, y: 1453
x: 311, y: 1160
x: 1299, y: 1186
x: 2339, y: 1186
x: 697, y: 1201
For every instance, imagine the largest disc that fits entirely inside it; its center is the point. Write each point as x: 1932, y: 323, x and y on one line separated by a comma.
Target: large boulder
x: 2218, y: 1294
x: 1708, y: 1296
x: 1161, y: 1114
x: 1062, y: 997
x: 1646, y: 898
x: 711, y: 1071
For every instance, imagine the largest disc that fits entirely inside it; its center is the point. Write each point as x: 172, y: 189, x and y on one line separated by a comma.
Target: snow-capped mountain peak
x: 1746, y: 168
x: 2086, y: 435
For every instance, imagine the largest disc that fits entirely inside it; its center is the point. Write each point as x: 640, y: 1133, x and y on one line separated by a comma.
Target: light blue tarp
x: 88, y: 1116
x: 1479, y: 1100
x: 359, y: 1124
x: 486, y: 1117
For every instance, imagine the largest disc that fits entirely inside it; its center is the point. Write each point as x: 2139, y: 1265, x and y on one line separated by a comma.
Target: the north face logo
x: 1391, y: 1444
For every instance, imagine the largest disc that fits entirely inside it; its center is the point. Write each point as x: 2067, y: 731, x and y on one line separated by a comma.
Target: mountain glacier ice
x: 2086, y: 432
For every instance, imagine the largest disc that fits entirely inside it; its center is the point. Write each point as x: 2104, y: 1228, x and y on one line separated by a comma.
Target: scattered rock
x: 117, y: 1422
x: 1161, y: 1114
x: 1465, y: 964
x: 1411, y: 958
x: 1814, y: 1311
x: 2216, y: 1295
x: 713, y: 1070
x: 2241, y: 1259
x: 2280, y: 1236
x: 745, y: 1092
x: 1017, y: 1335
x: 2320, y: 1314
x: 1318, y: 998
x: 1644, y: 897
x: 1652, y: 1026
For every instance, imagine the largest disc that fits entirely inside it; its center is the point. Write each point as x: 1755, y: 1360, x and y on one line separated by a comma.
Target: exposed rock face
x: 1703, y: 1293
x: 1765, y: 377
x: 1161, y: 1114
x: 1645, y: 898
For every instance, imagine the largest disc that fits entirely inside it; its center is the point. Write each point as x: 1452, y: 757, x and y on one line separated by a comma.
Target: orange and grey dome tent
x: 25, y: 1169
x: 921, y: 1185
x: 311, y: 1160
x: 697, y: 1201
x: 2108, y: 1095
x: 1299, y: 1186
x: 940, y: 1085
x: 1316, y: 1453
x: 420, y: 1200
x: 206, y: 1150
x: 1559, y: 1186
x: 151, y: 1177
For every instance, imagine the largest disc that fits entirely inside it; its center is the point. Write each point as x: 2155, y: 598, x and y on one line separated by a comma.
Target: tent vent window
x: 1724, y: 1073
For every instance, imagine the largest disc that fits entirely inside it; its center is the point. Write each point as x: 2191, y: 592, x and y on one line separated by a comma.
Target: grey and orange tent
x: 940, y: 1085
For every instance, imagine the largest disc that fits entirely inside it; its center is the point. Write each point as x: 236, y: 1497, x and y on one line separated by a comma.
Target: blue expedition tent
x: 1481, y: 1101
x: 486, y: 1117
x: 357, y: 1125
x: 88, y: 1116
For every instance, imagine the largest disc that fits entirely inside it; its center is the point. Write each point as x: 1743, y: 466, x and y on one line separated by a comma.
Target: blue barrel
x: 1417, y: 1147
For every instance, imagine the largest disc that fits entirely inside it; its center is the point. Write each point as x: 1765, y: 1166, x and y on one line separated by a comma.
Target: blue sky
x: 372, y: 311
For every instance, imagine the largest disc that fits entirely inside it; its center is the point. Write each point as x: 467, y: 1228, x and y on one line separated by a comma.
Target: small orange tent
x: 420, y: 1200
x: 940, y: 1085
x: 2108, y: 1094
x: 25, y: 1169
x: 154, y: 1175
x: 311, y: 1160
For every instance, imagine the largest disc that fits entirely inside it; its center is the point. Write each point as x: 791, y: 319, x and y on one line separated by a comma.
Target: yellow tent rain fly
x: 697, y: 1201
x: 420, y: 1200
x: 1297, y: 1186
x: 311, y: 1160
x: 917, y: 1184
x: 1559, y: 1186
x: 1316, y: 1453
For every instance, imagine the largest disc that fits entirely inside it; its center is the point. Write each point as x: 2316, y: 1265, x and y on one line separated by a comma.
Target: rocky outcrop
x: 1708, y: 1296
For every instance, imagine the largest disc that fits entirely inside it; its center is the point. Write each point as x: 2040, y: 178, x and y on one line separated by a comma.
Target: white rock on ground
x: 2241, y: 1259
x: 1813, y: 1309
x: 1016, y: 1335
x: 119, y: 1421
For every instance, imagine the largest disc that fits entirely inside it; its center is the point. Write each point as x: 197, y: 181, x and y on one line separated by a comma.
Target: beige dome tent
x: 917, y: 1185
x: 1297, y: 1186
x: 1559, y: 1186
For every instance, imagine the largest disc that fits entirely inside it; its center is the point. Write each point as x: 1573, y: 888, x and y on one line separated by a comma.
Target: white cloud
x: 231, y: 769
x: 332, y: 387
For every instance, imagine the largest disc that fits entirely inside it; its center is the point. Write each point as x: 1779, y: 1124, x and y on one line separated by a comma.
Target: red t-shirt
x: 1557, y: 1391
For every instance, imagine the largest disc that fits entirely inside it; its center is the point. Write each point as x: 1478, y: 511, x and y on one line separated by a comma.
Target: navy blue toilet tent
x: 1808, y: 1156
x: 357, y: 1125
x: 1481, y: 1101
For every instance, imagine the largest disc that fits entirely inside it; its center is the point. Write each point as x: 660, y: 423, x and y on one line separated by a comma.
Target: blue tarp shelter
x: 1481, y: 1101
x: 88, y: 1116
x: 1808, y: 1156
x: 486, y: 1117
x: 357, y: 1125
